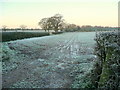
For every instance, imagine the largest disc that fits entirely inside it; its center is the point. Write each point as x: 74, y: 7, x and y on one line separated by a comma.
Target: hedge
x: 9, y: 36
x: 106, y: 73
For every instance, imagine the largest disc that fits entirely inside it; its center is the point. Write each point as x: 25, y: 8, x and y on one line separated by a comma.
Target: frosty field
x: 48, y: 62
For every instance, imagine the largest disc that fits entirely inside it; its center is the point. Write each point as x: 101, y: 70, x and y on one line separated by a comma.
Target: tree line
x: 57, y: 23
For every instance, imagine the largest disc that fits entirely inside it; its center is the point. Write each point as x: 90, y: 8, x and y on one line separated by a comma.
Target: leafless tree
x: 23, y: 27
x: 4, y: 27
x: 55, y: 23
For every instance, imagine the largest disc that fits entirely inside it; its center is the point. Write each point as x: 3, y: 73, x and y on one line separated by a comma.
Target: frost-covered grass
x: 9, y: 59
x: 57, y: 61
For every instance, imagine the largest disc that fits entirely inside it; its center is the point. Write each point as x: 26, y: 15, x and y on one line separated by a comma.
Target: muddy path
x: 48, y: 62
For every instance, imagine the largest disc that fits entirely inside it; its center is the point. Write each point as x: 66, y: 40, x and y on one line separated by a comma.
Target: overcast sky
x: 13, y: 13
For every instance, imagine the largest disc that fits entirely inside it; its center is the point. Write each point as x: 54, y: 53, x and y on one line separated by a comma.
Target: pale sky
x: 14, y: 13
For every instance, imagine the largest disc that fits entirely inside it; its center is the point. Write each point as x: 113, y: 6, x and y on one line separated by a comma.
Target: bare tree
x: 52, y: 23
x: 57, y: 22
x: 43, y: 23
x: 23, y: 27
x: 4, y: 27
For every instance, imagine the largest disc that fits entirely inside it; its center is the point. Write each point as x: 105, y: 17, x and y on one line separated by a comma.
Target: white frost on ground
x: 50, y: 61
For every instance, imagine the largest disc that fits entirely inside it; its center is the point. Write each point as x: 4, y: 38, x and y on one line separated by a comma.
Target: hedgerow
x: 106, y: 72
x: 9, y: 36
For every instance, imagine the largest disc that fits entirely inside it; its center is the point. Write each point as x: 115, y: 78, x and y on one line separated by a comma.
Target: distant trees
x: 4, y: 27
x: 71, y: 28
x: 23, y: 27
x: 87, y: 28
x: 55, y: 23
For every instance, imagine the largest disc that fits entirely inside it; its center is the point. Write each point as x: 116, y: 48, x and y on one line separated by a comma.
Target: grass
x: 52, y: 61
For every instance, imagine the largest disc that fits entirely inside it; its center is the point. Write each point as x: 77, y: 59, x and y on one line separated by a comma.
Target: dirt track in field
x: 47, y: 62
